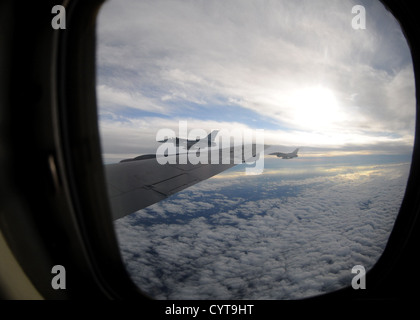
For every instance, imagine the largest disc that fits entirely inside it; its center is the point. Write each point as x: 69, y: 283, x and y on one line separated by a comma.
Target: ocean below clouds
x: 295, y: 231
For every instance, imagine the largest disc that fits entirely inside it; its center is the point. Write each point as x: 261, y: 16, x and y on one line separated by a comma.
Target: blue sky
x: 296, y: 69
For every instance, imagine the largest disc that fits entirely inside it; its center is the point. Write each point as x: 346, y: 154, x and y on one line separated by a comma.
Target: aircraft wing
x: 134, y: 185
x: 278, y: 154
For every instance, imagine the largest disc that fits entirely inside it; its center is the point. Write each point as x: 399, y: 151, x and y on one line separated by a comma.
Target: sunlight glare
x: 315, y: 108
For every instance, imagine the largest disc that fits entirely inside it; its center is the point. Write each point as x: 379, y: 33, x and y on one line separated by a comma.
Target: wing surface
x: 134, y: 184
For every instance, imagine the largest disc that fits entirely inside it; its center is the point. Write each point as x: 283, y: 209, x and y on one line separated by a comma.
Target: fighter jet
x: 286, y: 155
x: 136, y: 183
x: 198, y: 143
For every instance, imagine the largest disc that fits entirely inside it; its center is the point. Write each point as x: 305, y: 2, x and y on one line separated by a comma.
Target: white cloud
x: 277, y: 247
x: 112, y: 98
x: 161, y: 56
x: 134, y: 136
x: 125, y: 137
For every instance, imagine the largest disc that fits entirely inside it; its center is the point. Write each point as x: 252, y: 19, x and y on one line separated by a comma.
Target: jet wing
x: 278, y: 154
x: 134, y: 185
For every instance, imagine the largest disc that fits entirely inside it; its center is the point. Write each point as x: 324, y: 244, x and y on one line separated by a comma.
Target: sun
x: 315, y: 108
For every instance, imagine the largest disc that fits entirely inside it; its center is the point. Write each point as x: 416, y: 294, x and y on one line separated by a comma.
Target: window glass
x: 333, y: 79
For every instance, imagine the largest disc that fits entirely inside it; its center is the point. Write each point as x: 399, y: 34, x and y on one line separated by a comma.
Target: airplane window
x: 315, y: 100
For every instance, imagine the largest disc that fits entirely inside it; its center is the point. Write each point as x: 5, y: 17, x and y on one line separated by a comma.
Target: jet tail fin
x: 212, y: 135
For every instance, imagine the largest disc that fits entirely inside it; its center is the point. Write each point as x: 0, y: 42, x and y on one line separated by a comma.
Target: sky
x: 296, y: 69
x: 300, y: 72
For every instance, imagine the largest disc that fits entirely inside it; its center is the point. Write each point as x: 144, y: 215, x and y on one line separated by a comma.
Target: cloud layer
x: 264, y: 237
x: 297, y: 69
